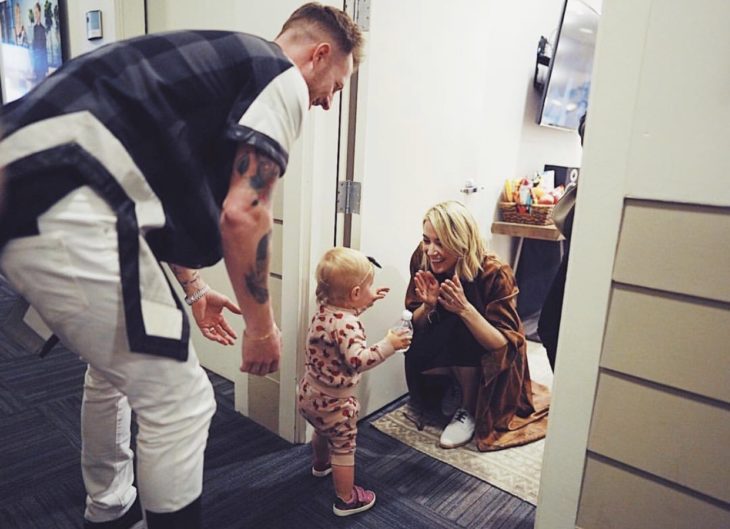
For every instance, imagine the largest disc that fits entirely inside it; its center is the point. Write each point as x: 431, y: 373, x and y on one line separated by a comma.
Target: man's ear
x: 321, y: 52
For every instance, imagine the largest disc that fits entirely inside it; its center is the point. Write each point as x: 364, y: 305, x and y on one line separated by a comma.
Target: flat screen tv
x: 31, y: 44
x: 565, y: 95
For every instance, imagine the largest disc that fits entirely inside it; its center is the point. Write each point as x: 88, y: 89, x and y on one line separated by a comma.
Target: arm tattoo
x: 179, y: 271
x: 243, y: 164
x: 266, y: 172
x: 256, y: 278
x: 193, y: 278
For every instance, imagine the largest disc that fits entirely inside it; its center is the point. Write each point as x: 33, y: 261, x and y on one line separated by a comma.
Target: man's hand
x: 208, y: 314
x: 261, y: 355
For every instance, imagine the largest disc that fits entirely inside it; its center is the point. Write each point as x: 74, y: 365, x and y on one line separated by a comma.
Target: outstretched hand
x: 208, y: 314
x: 380, y: 293
x: 427, y: 287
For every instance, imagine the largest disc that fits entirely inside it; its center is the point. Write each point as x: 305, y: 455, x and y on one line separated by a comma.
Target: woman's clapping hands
x: 427, y: 288
x: 449, y: 294
x: 452, y: 297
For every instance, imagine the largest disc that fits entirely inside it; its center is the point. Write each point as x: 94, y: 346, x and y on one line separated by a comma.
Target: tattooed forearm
x: 261, y: 172
x: 191, y: 279
x: 243, y: 164
x: 266, y: 172
x: 188, y: 278
x: 256, y: 278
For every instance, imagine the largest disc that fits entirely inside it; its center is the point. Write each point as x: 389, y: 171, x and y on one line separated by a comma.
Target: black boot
x: 189, y: 517
x: 131, y: 517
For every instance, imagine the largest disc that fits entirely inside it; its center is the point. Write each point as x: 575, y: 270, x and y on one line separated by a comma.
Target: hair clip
x: 372, y: 260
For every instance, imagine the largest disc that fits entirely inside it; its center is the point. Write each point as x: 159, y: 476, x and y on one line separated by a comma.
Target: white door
x: 416, y: 142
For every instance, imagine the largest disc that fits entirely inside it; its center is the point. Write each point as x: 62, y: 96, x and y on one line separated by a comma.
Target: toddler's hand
x: 380, y: 293
x: 399, y: 339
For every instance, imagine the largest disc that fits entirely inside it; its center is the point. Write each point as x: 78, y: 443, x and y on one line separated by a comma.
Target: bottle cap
x: 407, y: 315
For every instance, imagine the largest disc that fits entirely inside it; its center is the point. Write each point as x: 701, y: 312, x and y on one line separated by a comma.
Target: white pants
x: 70, y: 275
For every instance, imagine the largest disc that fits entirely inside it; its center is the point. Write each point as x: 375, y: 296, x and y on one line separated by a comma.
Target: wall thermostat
x: 93, y: 25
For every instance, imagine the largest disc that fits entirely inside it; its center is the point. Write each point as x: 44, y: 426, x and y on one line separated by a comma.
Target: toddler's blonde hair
x: 339, y: 271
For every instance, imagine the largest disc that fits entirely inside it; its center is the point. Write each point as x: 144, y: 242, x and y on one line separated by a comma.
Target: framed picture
x: 31, y: 44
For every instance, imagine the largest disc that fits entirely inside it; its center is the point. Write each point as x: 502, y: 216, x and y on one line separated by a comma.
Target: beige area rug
x: 514, y: 470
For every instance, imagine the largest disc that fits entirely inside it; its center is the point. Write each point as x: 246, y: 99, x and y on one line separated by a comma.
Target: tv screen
x: 31, y: 44
x: 565, y: 96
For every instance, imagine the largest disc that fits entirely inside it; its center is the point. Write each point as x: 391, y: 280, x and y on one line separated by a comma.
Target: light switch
x: 93, y: 25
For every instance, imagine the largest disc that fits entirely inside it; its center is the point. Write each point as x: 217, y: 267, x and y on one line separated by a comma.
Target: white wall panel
x: 681, y: 249
x: 616, y: 498
x: 670, y: 340
x: 666, y: 433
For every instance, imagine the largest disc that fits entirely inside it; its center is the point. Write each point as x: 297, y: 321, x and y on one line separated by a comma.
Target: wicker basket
x: 538, y: 214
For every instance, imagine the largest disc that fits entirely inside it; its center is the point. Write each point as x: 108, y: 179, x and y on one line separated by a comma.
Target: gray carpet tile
x: 8, y: 298
x: 8, y: 349
x: 58, y: 505
x: 57, y: 376
x: 10, y: 401
x: 35, y: 456
x: 65, y: 416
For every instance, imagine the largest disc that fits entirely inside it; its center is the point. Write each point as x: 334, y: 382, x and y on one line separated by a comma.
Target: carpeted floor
x: 252, y: 477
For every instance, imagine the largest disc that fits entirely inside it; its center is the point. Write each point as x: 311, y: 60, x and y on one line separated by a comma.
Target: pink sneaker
x: 361, y: 501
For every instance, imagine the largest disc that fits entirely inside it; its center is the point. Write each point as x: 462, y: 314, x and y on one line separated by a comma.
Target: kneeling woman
x: 464, y: 302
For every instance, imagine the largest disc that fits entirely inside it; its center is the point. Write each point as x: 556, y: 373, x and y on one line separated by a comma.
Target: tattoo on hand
x: 256, y: 279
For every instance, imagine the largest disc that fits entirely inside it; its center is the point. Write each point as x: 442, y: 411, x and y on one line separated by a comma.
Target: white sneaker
x: 459, y: 431
x: 451, y: 401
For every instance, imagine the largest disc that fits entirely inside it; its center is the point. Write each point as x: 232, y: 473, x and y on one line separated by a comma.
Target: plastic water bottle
x: 406, y: 322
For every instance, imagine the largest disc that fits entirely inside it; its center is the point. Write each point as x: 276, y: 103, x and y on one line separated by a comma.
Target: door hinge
x: 348, y: 197
x: 361, y: 14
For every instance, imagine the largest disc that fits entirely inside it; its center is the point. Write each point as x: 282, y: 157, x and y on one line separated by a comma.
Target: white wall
x: 260, y: 18
x: 458, y: 83
x: 120, y: 19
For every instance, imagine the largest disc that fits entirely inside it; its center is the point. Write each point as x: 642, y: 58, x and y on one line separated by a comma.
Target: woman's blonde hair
x: 458, y: 232
x: 339, y: 271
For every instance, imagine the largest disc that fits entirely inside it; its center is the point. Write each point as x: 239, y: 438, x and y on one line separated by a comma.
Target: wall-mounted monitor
x: 565, y: 95
x: 31, y: 44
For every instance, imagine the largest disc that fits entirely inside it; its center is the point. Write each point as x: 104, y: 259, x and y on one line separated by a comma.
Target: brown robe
x: 508, y: 413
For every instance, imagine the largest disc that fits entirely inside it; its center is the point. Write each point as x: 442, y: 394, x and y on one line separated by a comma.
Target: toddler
x: 336, y: 355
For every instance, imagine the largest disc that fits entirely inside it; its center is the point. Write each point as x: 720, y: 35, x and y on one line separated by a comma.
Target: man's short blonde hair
x: 338, y: 272
x: 335, y: 22
x: 458, y: 232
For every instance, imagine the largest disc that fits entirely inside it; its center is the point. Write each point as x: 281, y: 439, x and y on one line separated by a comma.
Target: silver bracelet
x: 195, y: 296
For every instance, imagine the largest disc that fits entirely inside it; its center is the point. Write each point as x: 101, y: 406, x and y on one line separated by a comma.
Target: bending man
x: 161, y: 148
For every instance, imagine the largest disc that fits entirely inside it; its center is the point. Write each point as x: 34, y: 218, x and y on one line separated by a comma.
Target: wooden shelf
x: 527, y: 231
